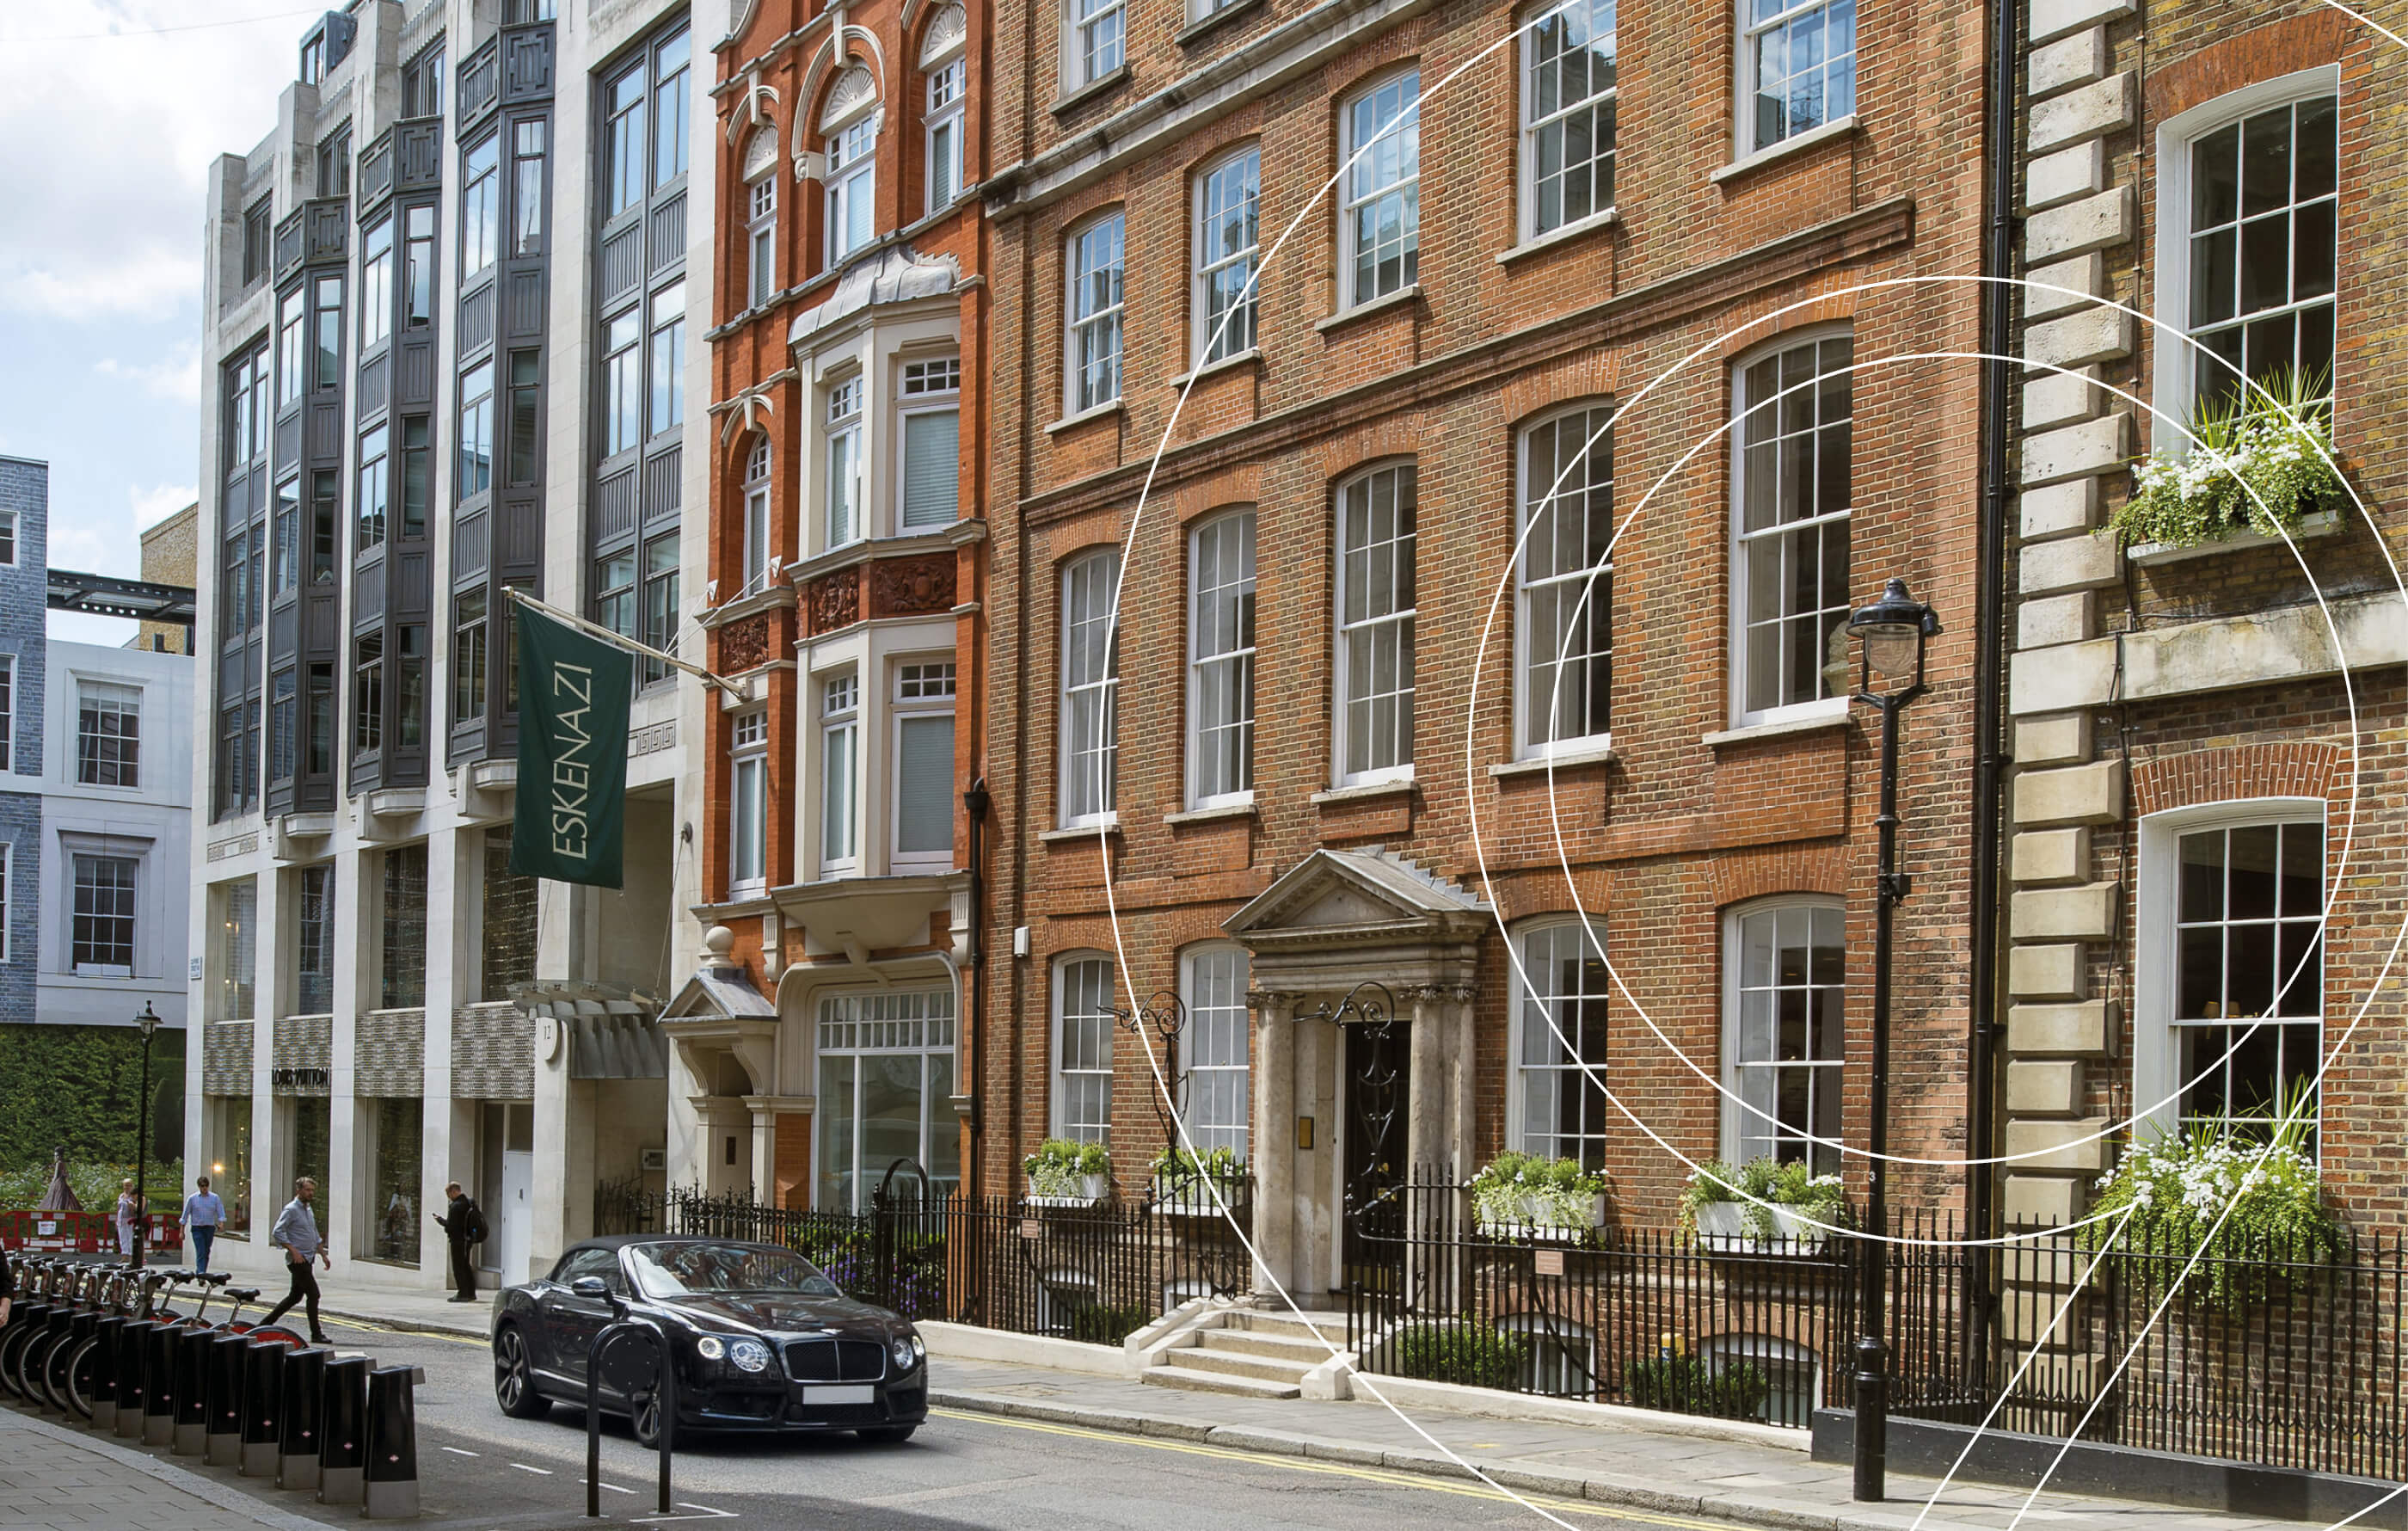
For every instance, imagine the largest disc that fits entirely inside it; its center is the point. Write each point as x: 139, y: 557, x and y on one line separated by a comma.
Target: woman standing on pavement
x: 128, y: 1211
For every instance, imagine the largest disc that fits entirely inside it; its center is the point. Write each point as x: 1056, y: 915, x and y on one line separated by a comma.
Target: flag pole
x: 623, y: 640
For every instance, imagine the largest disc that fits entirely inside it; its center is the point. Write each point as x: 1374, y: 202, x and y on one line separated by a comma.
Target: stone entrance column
x: 1275, y: 1138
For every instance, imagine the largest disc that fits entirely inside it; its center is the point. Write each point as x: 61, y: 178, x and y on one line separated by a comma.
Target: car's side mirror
x: 591, y: 1286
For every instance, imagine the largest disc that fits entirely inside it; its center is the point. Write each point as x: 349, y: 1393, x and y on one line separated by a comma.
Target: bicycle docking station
x: 89, y: 1343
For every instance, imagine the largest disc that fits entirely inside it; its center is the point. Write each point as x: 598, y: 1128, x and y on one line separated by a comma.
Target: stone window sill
x: 1402, y: 297
x: 1563, y: 760
x: 1819, y: 723
x: 1595, y: 222
x: 1080, y: 832
x: 1100, y: 411
x: 1838, y: 127
x: 1210, y: 815
x: 1101, y: 85
x: 1403, y: 787
x: 2150, y: 554
x: 1204, y: 26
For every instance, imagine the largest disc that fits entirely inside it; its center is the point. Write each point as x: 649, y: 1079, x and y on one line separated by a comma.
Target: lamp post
x: 149, y: 1021
x: 1891, y: 633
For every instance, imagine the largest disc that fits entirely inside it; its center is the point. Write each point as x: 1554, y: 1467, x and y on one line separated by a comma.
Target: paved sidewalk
x: 53, y: 1478
x: 1629, y: 1466
x: 413, y: 1311
x: 1633, y: 1467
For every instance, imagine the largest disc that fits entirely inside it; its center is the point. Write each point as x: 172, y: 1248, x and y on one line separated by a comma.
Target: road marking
x: 457, y: 1451
x: 707, y: 1515
x: 522, y: 1466
x: 1372, y: 1475
x: 616, y: 1489
x: 955, y: 1491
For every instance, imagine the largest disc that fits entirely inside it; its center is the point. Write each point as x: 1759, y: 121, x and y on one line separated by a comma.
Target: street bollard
x: 133, y: 1366
x: 223, y: 1388
x: 392, y: 1467
x: 192, y: 1364
x: 159, y: 1402
x: 300, y: 1439
x: 107, y: 1341
x: 263, y: 1391
x: 342, y: 1429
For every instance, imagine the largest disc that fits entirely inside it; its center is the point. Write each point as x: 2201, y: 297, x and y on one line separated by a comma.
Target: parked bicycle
x: 48, y: 1360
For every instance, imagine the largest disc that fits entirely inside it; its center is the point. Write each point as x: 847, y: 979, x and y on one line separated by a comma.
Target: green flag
x: 572, y: 788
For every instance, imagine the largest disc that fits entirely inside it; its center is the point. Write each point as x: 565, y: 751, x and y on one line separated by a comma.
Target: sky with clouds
x: 113, y: 112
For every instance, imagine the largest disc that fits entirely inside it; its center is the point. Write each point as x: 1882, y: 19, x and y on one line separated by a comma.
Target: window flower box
x: 1519, y: 1196
x: 1722, y: 1229
x: 1762, y: 1206
x: 1179, y: 1181
x: 1547, y: 1220
x: 1063, y: 1173
x: 2313, y: 524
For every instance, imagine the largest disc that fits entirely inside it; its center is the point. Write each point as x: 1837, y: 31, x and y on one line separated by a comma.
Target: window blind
x: 932, y: 469
x: 923, y: 801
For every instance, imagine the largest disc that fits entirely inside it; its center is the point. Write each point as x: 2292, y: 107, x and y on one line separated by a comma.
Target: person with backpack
x: 464, y: 1228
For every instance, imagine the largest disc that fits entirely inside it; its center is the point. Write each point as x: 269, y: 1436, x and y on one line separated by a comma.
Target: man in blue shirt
x: 296, y: 1234
x: 203, y: 1212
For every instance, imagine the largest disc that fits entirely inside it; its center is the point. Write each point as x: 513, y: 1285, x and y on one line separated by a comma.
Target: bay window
x: 839, y: 775
x: 748, y: 803
x: 480, y: 207
x: 844, y: 463
x: 930, y: 414
x: 376, y: 284
x: 922, y: 772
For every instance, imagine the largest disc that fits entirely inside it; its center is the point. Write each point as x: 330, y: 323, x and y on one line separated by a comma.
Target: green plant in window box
x: 1066, y: 1173
x: 2176, y: 1188
x: 1763, y: 1203
x: 1525, y: 1196
x: 2260, y: 463
x: 1179, y: 1175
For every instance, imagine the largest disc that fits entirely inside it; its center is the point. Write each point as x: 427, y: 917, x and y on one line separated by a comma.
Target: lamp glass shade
x: 147, y: 1021
x: 1891, y: 648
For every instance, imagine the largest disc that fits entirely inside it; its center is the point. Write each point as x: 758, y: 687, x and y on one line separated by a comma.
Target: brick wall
x: 1662, y: 839
x: 24, y: 488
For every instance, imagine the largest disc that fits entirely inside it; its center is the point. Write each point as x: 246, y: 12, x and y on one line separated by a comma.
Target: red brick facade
x: 1697, y: 268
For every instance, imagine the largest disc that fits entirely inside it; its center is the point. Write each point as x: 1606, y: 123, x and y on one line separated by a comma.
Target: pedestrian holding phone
x: 463, y: 1229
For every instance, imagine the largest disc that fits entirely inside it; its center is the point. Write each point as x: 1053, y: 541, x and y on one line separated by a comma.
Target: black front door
x: 1379, y: 1079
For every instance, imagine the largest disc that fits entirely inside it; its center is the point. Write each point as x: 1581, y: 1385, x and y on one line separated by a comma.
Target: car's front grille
x: 835, y: 1360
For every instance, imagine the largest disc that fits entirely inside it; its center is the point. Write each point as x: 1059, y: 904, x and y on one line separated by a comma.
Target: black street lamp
x: 1893, y: 630
x: 149, y: 1021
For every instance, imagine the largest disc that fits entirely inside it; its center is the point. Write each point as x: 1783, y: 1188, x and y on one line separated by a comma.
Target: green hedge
x: 75, y: 1087
x: 1463, y: 1353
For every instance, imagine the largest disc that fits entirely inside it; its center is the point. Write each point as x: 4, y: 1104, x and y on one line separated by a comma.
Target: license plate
x: 860, y: 1394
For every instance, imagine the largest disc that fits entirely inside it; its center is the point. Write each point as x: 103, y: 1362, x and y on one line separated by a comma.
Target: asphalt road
x: 480, y: 1469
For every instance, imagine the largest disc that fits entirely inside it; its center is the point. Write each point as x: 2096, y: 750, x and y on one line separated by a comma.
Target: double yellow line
x: 1386, y: 1479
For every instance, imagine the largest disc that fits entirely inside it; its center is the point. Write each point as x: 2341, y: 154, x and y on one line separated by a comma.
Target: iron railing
x: 1087, y: 1271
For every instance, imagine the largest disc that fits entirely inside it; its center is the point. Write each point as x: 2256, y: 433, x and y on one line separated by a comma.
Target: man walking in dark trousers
x: 464, y: 1228
x: 296, y: 1234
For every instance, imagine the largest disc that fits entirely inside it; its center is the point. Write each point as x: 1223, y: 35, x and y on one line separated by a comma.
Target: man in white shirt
x: 203, y: 1212
x: 296, y: 1234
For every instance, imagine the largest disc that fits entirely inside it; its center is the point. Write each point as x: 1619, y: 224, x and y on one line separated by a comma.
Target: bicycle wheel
x: 11, y: 1344
x: 31, y: 1357
x: 54, y: 1371
x: 79, y: 1370
x: 277, y: 1335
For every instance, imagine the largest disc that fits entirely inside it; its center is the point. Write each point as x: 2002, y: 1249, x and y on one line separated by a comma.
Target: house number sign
x: 1550, y: 1262
x: 1031, y: 1229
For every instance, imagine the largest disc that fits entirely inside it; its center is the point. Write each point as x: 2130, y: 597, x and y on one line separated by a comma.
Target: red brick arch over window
x: 1742, y: 875
x: 2241, y: 771
x: 2266, y: 52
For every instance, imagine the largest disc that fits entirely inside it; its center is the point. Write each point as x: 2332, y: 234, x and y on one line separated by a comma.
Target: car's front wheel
x: 887, y: 1435
x: 646, y: 1422
x: 514, y: 1386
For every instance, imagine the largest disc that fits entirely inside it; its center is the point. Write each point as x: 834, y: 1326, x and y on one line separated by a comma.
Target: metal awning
x: 613, y: 1032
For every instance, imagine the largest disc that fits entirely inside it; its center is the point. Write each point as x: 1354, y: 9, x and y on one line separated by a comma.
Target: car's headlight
x: 908, y: 1351
x: 750, y: 1354
x: 710, y: 1347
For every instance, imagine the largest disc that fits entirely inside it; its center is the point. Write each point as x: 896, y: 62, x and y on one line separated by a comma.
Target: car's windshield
x: 688, y: 1268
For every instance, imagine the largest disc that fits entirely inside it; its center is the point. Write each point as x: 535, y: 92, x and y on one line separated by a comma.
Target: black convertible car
x: 761, y: 1339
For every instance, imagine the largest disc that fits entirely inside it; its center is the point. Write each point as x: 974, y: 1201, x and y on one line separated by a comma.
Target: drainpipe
x: 1991, y: 759
x: 975, y: 803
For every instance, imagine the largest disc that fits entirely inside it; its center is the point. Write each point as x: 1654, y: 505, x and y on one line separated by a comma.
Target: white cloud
x: 176, y: 378
x: 115, y: 137
x: 158, y: 501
